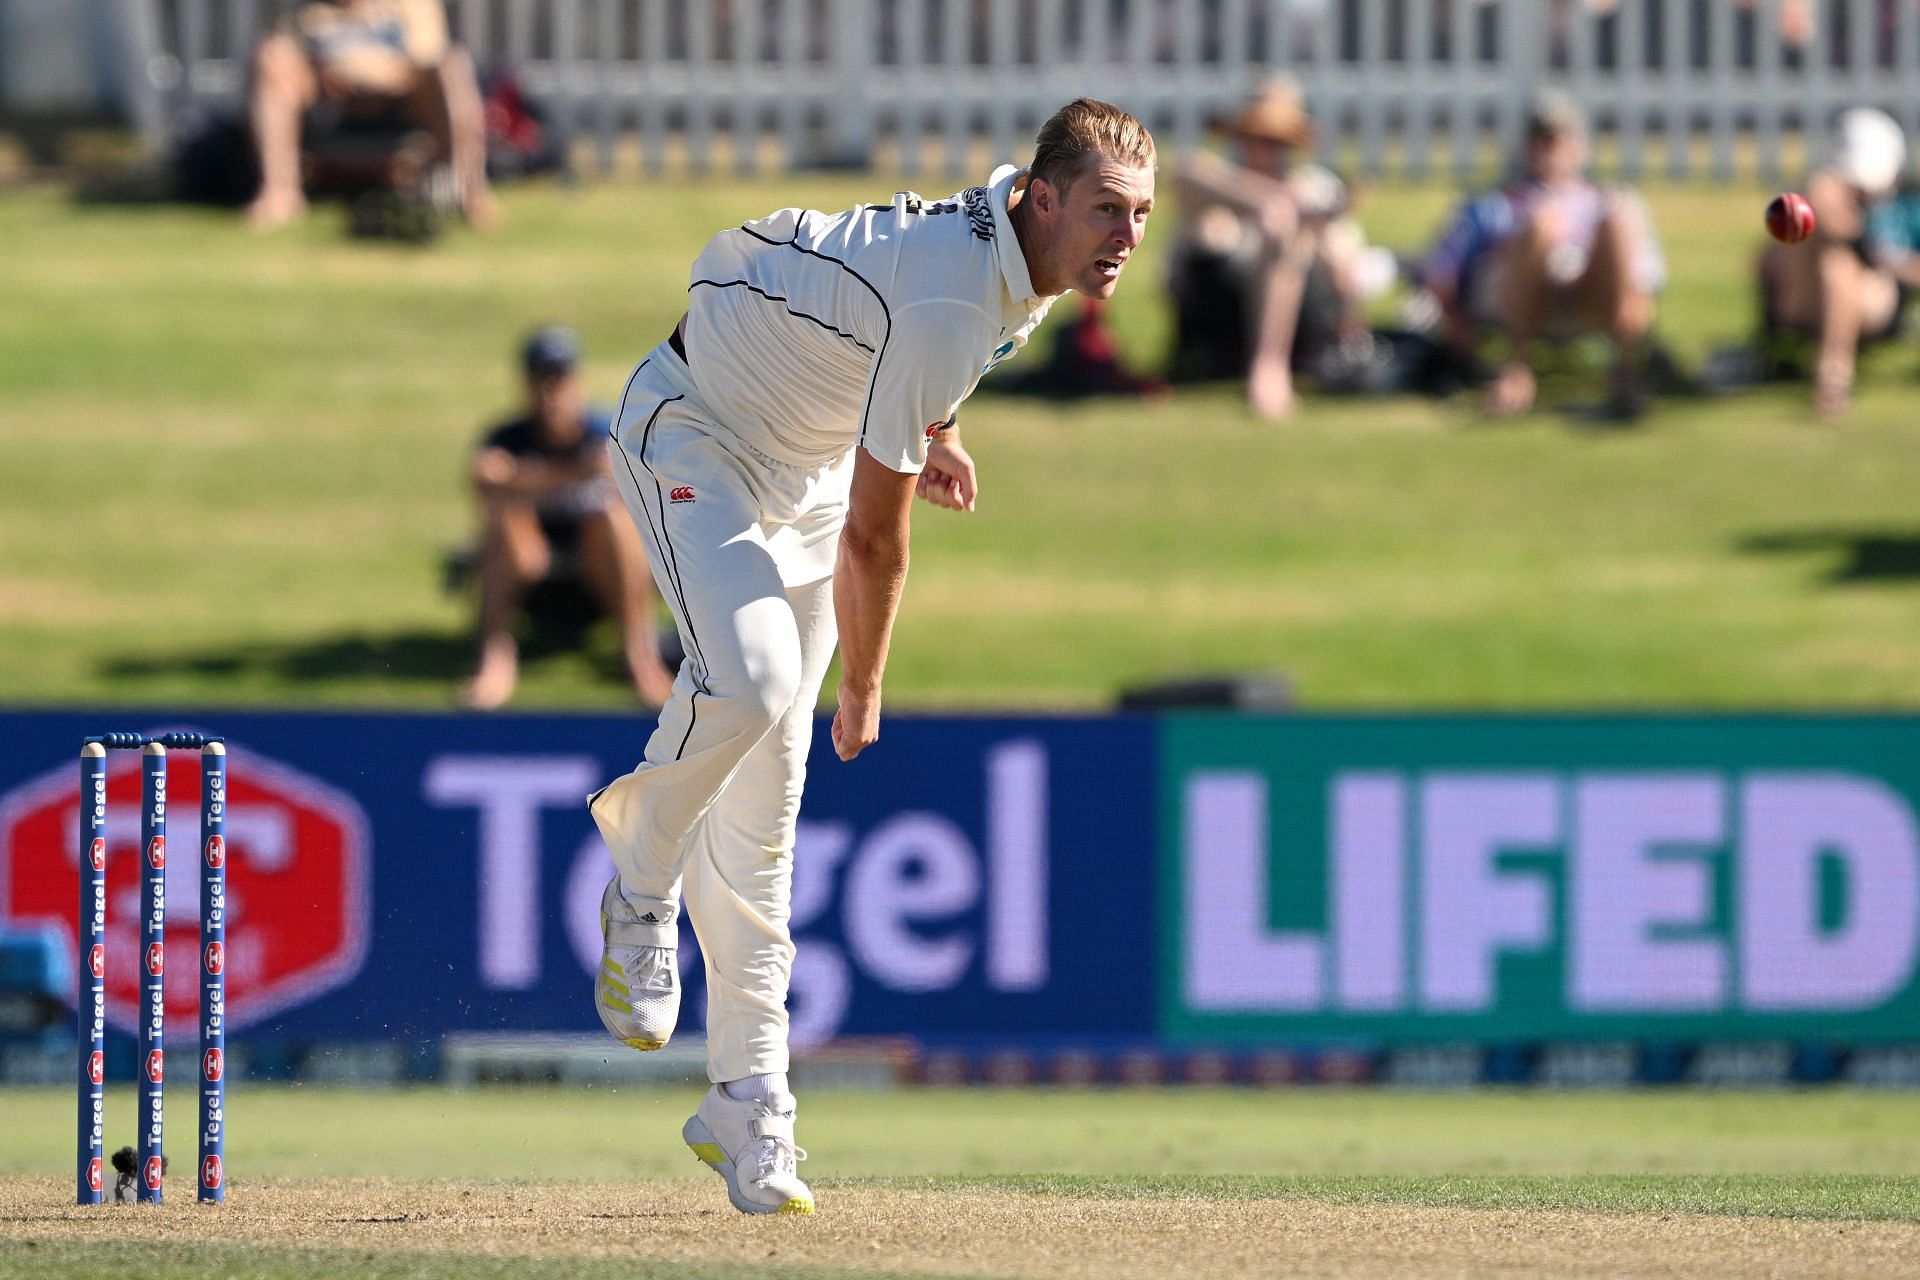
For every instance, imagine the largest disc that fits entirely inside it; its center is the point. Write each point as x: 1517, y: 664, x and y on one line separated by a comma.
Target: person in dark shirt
x: 545, y: 491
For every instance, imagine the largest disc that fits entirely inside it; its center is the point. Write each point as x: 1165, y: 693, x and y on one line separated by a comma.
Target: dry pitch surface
x: 565, y: 1184
x: 684, y: 1228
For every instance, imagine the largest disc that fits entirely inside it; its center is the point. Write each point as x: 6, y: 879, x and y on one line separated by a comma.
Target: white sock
x: 756, y: 1088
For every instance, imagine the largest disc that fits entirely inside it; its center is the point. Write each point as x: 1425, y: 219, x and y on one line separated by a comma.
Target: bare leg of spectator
x: 1826, y: 292
x: 1606, y: 294
x: 1790, y: 285
x: 284, y: 86
x: 615, y: 567
x: 1342, y: 248
x: 1855, y: 300
x: 1283, y: 282
x: 1608, y: 298
x: 1527, y: 296
x: 448, y: 103
x: 513, y: 555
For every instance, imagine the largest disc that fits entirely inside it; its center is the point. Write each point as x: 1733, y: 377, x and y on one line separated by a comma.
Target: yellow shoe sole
x: 709, y: 1153
x: 611, y: 989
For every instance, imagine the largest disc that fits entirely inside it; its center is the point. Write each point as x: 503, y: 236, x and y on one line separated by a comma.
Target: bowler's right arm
x: 869, y: 575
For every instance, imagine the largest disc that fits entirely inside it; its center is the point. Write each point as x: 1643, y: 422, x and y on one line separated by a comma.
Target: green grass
x: 1734, y: 1149
x: 1853, y: 1197
x: 233, y: 463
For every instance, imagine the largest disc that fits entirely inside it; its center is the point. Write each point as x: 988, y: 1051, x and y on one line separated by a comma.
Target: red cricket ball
x: 1790, y: 218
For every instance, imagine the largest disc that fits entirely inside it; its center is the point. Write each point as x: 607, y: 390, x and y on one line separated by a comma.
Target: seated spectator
x: 1845, y: 286
x: 1553, y: 254
x: 546, y: 492
x: 1085, y: 361
x: 364, y: 60
x: 1267, y: 269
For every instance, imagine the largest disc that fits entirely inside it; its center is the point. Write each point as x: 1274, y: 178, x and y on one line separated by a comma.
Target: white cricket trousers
x: 743, y: 547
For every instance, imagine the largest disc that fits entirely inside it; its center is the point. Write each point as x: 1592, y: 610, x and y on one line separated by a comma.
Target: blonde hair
x: 1082, y: 130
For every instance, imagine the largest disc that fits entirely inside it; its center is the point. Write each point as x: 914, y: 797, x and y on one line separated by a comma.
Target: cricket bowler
x: 769, y: 452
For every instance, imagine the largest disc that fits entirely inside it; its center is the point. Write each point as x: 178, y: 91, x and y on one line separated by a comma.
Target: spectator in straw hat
x: 1267, y: 268
x: 1846, y: 286
x: 1552, y: 254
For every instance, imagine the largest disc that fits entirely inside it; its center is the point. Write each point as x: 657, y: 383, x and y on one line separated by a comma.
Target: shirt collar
x: 1013, y: 262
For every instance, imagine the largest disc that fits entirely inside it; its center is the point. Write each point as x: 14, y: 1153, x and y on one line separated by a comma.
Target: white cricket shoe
x: 637, y: 990
x: 750, y: 1144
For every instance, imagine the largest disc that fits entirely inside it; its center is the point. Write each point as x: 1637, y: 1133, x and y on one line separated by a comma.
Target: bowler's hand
x: 948, y: 479
x: 856, y: 723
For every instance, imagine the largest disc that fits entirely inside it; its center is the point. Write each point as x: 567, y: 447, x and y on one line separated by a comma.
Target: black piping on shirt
x: 879, y: 355
x: 774, y: 297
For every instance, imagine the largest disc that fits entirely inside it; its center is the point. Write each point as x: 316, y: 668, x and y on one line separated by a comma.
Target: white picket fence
x: 1399, y: 86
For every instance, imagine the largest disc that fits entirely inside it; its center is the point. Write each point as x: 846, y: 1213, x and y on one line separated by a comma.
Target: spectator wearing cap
x: 546, y: 498
x: 1845, y: 287
x: 1553, y: 254
x: 1266, y: 265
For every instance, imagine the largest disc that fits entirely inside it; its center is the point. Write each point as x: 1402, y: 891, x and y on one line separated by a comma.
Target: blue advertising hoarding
x: 1182, y: 883
x: 406, y: 876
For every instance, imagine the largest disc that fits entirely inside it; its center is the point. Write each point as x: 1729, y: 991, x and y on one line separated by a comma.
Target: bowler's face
x: 1095, y: 225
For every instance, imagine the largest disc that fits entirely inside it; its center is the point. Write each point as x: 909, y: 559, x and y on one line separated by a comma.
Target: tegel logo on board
x: 910, y: 902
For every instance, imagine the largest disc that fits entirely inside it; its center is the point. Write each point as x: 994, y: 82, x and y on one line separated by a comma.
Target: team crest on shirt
x: 684, y: 493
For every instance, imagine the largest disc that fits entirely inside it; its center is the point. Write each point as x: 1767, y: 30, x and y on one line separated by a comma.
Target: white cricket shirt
x: 809, y: 333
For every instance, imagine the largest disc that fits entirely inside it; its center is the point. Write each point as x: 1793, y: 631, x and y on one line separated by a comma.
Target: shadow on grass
x: 425, y: 658
x: 1866, y: 555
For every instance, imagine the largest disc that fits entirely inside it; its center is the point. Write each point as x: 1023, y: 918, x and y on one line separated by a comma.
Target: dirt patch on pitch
x: 973, y: 1232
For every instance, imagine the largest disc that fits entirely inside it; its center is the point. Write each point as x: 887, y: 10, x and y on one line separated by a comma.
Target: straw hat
x: 1277, y: 113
